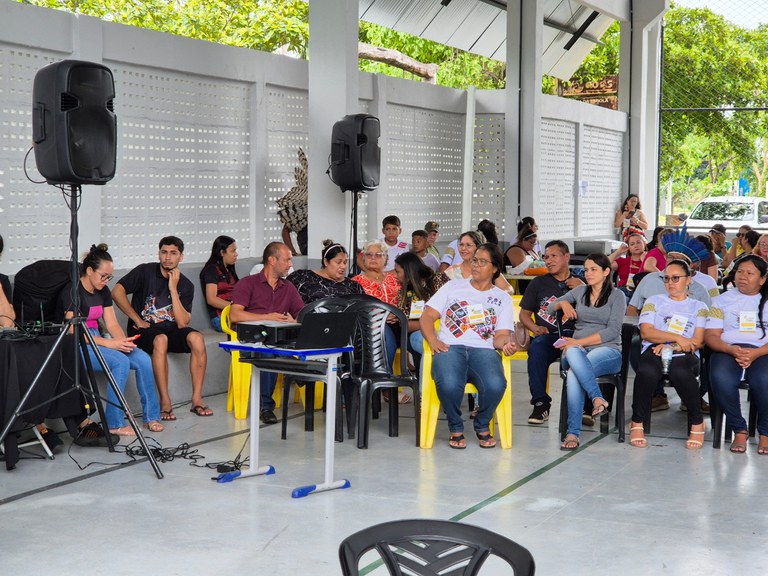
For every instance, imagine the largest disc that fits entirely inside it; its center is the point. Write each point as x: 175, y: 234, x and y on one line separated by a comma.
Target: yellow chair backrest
x: 226, y: 325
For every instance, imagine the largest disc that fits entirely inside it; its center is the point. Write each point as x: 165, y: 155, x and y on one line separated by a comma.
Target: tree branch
x: 398, y: 60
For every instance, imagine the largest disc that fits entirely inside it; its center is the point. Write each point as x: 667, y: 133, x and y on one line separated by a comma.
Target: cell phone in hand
x: 559, y: 342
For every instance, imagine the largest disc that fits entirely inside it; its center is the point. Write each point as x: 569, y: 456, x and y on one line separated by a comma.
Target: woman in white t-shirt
x: 674, y: 321
x: 476, y: 319
x: 736, y: 333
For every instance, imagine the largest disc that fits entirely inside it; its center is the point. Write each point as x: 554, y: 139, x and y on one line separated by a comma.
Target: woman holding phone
x: 120, y: 353
x: 595, y: 348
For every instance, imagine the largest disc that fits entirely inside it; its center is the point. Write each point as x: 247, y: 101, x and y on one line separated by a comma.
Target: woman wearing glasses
x: 736, y: 333
x: 476, y: 319
x: 380, y: 285
x: 120, y: 353
x: 670, y: 322
x: 737, y: 246
x: 468, y: 245
x: 595, y: 348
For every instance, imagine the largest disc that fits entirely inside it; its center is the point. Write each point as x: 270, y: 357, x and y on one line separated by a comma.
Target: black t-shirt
x: 542, y: 291
x: 151, y: 298
x: 91, y: 305
x: 225, y: 282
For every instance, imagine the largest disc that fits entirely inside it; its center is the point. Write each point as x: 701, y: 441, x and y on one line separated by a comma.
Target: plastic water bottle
x: 666, y: 359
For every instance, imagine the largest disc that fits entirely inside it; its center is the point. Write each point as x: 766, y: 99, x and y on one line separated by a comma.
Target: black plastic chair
x: 432, y: 547
x: 616, y: 383
x: 370, y: 369
x: 333, y: 304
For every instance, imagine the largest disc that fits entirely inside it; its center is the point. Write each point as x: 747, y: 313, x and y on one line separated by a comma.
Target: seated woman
x: 119, y: 352
x: 676, y: 321
x: 736, y: 334
x: 747, y: 243
x: 418, y: 283
x: 330, y: 281
x: 468, y: 244
x: 476, y: 319
x: 595, y: 349
x: 630, y: 264
x: 218, y: 278
x: 520, y: 255
x: 379, y: 284
x: 655, y: 259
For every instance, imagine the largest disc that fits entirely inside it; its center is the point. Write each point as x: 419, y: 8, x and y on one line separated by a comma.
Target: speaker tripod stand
x: 81, y: 334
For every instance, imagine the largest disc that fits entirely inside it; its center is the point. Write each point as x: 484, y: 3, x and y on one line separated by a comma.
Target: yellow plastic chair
x: 430, y: 403
x: 239, y: 374
x: 240, y: 379
x: 522, y: 354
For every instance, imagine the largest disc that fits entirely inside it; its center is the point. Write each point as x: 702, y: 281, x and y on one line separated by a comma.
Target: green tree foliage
x: 258, y: 24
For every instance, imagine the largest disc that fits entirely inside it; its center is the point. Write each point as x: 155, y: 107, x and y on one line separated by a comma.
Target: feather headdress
x: 680, y: 241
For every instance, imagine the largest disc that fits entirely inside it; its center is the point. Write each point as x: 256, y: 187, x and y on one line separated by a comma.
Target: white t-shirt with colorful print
x: 470, y: 317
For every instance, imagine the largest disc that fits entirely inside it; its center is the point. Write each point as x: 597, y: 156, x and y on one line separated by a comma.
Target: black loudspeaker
x: 74, y: 126
x: 355, y: 153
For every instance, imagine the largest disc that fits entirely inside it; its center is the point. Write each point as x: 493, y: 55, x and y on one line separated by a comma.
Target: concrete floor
x: 606, y: 509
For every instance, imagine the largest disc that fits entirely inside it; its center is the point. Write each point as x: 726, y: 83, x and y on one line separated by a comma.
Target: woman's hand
x: 745, y: 356
x: 685, y: 344
x: 438, y: 346
x: 566, y: 343
x: 509, y: 348
x: 122, y: 344
x: 568, y: 312
x: 539, y: 330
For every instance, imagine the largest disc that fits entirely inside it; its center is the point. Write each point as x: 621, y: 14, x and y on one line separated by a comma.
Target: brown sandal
x: 762, y: 446
x: 457, y: 441
x: 486, y: 440
x: 739, y: 444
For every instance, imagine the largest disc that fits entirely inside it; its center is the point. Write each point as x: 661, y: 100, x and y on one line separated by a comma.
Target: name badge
x: 631, y: 281
x: 748, y: 321
x: 417, y: 309
x: 476, y: 314
x: 677, y: 324
x: 626, y: 222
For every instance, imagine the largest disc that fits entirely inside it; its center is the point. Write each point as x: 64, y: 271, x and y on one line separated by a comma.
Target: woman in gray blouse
x: 595, y: 349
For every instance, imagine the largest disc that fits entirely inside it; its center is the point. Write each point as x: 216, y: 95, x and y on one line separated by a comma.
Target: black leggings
x: 683, y: 371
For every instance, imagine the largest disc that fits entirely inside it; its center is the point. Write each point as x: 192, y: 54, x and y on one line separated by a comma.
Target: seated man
x: 267, y: 296
x: 542, y: 291
x: 160, y: 313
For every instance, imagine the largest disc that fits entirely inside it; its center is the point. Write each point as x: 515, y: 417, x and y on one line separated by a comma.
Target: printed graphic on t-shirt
x: 155, y: 315
x: 461, y: 317
x: 94, y: 313
x: 542, y: 313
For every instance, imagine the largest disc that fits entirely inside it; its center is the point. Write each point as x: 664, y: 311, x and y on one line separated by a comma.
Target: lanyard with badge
x: 677, y: 324
x: 747, y: 321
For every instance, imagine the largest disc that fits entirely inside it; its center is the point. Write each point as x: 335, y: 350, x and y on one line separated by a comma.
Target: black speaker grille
x: 111, y: 105
x: 68, y: 102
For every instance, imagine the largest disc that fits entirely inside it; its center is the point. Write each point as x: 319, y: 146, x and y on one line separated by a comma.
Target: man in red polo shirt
x: 267, y: 296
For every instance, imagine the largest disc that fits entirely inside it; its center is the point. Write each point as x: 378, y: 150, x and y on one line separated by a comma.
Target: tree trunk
x: 760, y: 174
x: 399, y: 60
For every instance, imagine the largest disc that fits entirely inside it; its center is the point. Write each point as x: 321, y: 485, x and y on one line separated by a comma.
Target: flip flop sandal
x: 569, y: 444
x: 599, y: 410
x: 457, y: 442
x: 167, y: 415
x: 486, y: 440
x: 200, y: 410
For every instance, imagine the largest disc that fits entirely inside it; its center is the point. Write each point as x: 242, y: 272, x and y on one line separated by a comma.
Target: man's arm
x: 237, y: 313
x: 181, y: 314
x: 120, y: 297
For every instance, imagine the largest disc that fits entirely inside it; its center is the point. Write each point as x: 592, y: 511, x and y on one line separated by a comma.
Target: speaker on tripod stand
x: 355, y: 162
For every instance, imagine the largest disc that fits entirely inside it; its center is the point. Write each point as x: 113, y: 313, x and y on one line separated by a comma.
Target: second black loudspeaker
x: 74, y: 127
x: 355, y: 153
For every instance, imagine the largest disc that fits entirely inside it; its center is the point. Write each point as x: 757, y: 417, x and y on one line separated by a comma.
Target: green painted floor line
x: 506, y: 491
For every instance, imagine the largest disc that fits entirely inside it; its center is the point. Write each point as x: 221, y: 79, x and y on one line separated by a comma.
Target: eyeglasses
x: 762, y: 244
x: 479, y: 262
x: 106, y: 277
x: 673, y: 279
x: 740, y: 235
x: 374, y: 254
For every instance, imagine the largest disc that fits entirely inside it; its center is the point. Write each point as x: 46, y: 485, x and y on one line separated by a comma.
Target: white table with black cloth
x: 319, y: 363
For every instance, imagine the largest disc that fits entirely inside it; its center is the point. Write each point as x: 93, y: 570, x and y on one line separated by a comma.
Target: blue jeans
x: 391, y: 342
x: 120, y: 363
x: 216, y: 324
x: 583, y: 369
x: 541, y: 354
x: 724, y: 379
x: 461, y: 364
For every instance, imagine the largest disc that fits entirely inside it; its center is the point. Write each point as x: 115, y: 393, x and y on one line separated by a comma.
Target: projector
x: 267, y: 332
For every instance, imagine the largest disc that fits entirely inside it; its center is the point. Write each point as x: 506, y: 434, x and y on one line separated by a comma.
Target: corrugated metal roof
x: 479, y: 26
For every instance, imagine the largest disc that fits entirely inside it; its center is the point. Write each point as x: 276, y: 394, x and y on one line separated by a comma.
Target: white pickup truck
x: 730, y: 211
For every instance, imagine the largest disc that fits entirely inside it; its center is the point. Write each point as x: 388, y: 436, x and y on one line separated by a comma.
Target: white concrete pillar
x: 512, y: 118
x: 333, y: 93
x: 531, y: 34
x: 639, y: 75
